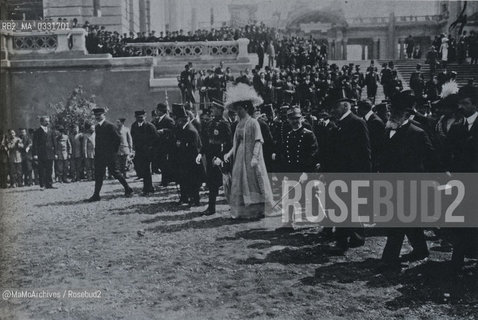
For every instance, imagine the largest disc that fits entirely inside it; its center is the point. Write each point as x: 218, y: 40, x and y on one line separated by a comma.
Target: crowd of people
x: 314, y: 121
x: 100, y: 40
x: 446, y: 49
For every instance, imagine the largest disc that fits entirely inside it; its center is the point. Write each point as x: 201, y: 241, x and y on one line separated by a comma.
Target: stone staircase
x: 407, y: 67
x: 165, y: 73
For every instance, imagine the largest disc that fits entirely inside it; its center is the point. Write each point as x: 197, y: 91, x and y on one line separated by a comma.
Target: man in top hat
x: 300, y: 149
x: 351, y: 153
x: 44, y: 150
x: 407, y: 149
x: 217, y: 141
x: 144, y: 136
x: 376, y: 129
x: 162, y: 149
x: 325, y: 132
x: 107, y: 142
x: 187, y: 157
x: 382, y: 110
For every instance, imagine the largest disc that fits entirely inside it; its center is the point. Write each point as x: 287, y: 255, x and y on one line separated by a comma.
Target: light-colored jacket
x: 76, y: 145
x: 89, y: 145
x: 63, y: 149
x: 126, y: 144
x: 14, y: 147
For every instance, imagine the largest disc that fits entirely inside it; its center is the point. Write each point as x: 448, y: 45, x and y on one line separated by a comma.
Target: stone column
x: 401, y: 55
x: 338, y: 50
x: 363, y: 51
x: 375, y: 52
x: 78, y: 39
x: 331, y: 51
x: 344, y: 48
x: 172, y: 15
x: 242, y: 44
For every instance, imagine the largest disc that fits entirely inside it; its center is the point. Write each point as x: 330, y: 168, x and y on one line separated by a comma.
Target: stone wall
x: 28, y: 87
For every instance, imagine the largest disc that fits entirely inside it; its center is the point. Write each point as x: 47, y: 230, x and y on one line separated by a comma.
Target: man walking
x: 107, y: 143
x: 144, y: 136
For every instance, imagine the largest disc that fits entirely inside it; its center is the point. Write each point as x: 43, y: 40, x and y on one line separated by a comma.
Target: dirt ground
x: 147, y: 258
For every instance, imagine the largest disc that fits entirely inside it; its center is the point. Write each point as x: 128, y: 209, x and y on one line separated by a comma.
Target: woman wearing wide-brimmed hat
x: 250, y: 192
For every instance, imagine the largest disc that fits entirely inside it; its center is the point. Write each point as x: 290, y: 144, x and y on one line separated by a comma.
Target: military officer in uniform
x: 107, y: 142
x: 300, y: 149
x: 144, y: 136
x: 217, y: 142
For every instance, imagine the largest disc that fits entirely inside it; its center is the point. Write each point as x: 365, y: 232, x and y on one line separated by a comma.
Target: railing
x: 386, y: 20
x: 21, y: 43
x: 201, y: 50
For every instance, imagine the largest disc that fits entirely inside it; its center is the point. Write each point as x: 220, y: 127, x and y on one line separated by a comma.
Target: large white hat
x: 242, y: 92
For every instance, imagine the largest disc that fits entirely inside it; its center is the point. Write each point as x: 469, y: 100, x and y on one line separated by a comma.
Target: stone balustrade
x: 18, y: 44
x: 399, y: 19
x: 200, y: 50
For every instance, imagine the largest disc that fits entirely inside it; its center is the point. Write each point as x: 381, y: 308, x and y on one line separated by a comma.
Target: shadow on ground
x: 431, y: 281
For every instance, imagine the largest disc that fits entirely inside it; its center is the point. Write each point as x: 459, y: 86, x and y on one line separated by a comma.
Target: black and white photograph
x: 238, y: 159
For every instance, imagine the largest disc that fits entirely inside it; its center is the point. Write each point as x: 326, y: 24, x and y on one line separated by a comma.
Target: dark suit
x: 376, y: 130
x: 107, y: 142
x: 143, y: 140
x: 351, y: 154
x: 408, y: 150
x: 325, y: 133
x: 44, y: 147
x: 352, y: 147
x: 162, y: 148
x: 464, y: 146
x: 188, y: 174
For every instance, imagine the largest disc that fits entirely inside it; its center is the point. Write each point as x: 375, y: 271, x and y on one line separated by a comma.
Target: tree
x: 77, y: 110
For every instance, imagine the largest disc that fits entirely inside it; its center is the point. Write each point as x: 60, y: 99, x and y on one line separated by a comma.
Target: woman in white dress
x: 250, y: 193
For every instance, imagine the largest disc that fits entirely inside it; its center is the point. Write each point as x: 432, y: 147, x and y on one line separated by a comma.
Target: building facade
x: 122, y: 16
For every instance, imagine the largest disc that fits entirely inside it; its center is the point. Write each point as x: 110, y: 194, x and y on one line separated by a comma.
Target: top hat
x: 139, y: 113
x: 162, y: 107
x: 267, y: 110
x: 179, y: 111
x: 403, y: 101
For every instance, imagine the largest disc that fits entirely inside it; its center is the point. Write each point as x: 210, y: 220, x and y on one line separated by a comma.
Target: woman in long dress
x: 250, y: 193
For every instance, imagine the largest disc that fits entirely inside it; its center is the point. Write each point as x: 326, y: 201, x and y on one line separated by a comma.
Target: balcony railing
x: 42, y: 42
x: 398, y: 19
x: 200, y: 50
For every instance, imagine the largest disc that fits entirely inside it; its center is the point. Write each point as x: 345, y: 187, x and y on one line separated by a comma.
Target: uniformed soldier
x: 300, y: 149
x: 217, y: 142
x: 144, y: 136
